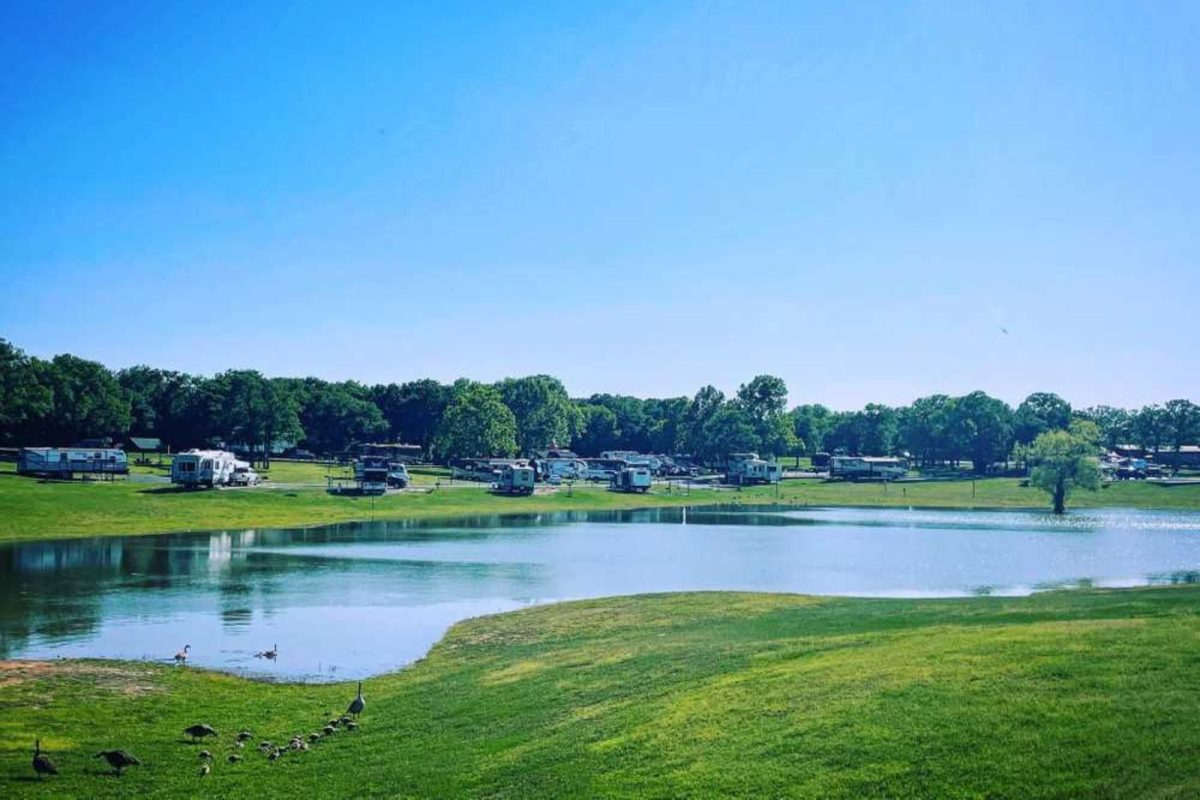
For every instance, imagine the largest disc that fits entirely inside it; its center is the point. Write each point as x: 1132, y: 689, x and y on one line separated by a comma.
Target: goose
x: 357, y: 704
x: 205, y: 755
x: 198, y: 732
x: 42, y: 764
x: 314, y: 737
x: 351, y: 725
x: 182, y: 656
x: 204, y: 770
x: 271, y: 654
x: 244, y: 735
x: 234, y: 758
x: 329, y: 730
x: 118, y: 759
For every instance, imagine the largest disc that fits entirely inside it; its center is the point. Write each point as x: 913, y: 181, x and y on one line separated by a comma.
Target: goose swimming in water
x: 182, y: 656
x: 271, y: 654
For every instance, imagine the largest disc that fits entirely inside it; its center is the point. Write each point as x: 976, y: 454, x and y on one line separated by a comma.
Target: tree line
x: 67, y: 399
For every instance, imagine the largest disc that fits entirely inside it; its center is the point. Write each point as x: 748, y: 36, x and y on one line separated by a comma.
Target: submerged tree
x: 1063, y: 460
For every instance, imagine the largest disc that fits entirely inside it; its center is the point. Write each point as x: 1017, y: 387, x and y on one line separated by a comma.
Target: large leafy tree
x: 811, y: 424
x: 729, y: 430
x: 256, y: 411
x: 23, y: 399
x: 1064, y: 460
x: 763, y: 401
x: 1038, y: 413
x: 984, y: 425
x: 1115, y: 424
x: 1150, y: 427
x: 477, y: 424
x: 86, y: 401
x: 335, y: 416
x: 924, y: 428
x: 1181, y: 420
x: 703, y: 407
x: 413, y: 409
x: 600, y: 431
x: 545, y: 414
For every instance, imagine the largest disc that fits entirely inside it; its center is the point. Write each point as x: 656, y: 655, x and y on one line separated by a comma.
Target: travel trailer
x: 203, y: 468
x: 66, y: 461
x: 746, y: 469
x: 857, y: 468
x: 515, y: 480
x: 632, y: 479
x: 604, y: 469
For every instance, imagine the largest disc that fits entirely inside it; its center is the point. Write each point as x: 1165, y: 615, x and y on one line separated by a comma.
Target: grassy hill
x: 1065, y: 694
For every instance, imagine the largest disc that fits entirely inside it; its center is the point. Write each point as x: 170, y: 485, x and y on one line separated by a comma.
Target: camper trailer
x: 869, y: 468
x: 63, y: 462
x: 203, y: 468
x: 604, y: 469
x: 632, y: 479
x: 515, y: 480
x: 747, y: 469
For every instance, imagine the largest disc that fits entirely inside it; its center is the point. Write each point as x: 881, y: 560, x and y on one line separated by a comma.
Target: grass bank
x: 32, y: 509
x: 1065, y: 694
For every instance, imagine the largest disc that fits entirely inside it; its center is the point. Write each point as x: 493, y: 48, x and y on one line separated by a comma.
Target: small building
x: 144, y: 446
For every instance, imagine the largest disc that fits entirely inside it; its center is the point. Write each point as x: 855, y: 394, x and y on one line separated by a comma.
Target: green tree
x: 764, y: 397
x: 1181, y: 421
x: 545, y: 414
x: 23, y: 399
x: 477, y: 424
x: 924, y: 428
x: 729, y: 430
x: 811, y: 424
x: 707, y: 402
x: 86, y: 401
x: 1150, y: 428
x: 599, y: 432
x: 1065, y: 460
x: 413, y: 409
x: 984, y: 425
x: 1115, y: 424
x: 336, y: 416
x: 1038, y: 413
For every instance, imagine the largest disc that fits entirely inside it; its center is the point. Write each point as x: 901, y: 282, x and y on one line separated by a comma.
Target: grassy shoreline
x: 31, y: 510
x: 1081, y: 693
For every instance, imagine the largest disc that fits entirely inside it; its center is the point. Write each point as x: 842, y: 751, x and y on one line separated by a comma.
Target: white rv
x: 856, y: 468
x: 66, y: 461
x: 515, y: 480
x: 632, y: 479
x: 747, y: 468
x: 203, y: 468
x: 570, y: 469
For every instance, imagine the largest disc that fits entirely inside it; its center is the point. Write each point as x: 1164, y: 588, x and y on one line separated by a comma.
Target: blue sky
x: 635, y: 197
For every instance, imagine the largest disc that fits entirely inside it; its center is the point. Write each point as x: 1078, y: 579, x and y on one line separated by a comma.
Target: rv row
x: 521, y: 479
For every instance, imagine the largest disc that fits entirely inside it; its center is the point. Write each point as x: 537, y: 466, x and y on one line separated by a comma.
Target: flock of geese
x: 120, y: 759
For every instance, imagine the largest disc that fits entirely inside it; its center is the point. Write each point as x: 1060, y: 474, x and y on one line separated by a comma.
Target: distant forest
x: 68, y: 399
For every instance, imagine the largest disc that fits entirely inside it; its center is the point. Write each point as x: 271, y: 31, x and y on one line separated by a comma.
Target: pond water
x: 352, y: 600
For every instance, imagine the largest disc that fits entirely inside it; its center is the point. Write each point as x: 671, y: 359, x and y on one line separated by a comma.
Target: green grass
x: 1067, y: 694
x: 32, y: 509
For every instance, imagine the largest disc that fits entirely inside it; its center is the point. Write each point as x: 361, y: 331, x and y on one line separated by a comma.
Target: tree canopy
x: 1064, y: 460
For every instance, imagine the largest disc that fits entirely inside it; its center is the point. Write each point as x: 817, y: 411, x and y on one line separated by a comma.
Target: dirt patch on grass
x: 129, y: 680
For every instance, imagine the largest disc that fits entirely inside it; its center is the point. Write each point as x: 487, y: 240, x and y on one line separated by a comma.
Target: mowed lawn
x: 32, y: 509
x: 1067, y: 694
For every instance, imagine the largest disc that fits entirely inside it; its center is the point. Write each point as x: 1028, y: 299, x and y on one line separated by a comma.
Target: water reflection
x: 314, y: 590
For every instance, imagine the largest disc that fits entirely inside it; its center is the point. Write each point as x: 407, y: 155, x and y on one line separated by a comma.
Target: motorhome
x: 203, y: 468
x: 482, y: 469
x: 857, y: 468
x: 66, y: 461
x: 603, y: 469
x: 632, y: 479
x: 371, y: 474
x: 561, y: 468
x: 635, y: 459
x: 515, y: 480
x: 746, y: 469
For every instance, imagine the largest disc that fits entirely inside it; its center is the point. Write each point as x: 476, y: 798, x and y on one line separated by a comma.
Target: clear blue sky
x: 635, y: 197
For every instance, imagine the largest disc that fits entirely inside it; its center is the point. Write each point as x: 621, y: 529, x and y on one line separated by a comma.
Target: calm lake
x: 352, y: 600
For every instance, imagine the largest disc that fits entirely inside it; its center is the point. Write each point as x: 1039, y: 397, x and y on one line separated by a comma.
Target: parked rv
x: 63, y: 462
x: 746, y: 469
x: 371, y: 474
x: 561, y: 468
x: 203, y: 468
x: 515, y: 480
x: 632, y: 479
x: 604, y: 469
x: 857, y: 468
